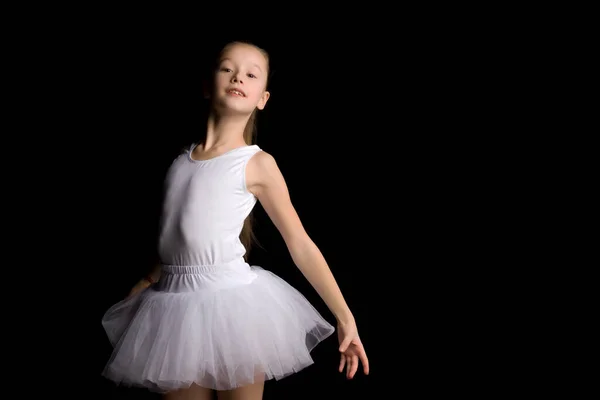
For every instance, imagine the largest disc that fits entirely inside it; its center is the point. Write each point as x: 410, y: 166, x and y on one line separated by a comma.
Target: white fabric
x: 212, y: 319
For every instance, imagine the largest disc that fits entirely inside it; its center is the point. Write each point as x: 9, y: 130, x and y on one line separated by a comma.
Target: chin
x: 229, y: 107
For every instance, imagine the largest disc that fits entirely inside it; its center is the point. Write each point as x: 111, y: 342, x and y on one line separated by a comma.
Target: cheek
x: 257, y: 91
x: 221, y: 81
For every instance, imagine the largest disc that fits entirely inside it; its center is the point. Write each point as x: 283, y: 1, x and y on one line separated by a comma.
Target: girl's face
x: 240, y: 80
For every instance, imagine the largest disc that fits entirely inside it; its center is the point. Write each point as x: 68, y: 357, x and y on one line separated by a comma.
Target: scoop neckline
x: 194, y: 145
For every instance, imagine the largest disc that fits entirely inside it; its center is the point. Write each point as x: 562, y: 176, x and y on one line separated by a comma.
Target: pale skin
x: 243, y: 67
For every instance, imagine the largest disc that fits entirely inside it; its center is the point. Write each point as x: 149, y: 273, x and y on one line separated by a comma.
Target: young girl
x: 204, y: 319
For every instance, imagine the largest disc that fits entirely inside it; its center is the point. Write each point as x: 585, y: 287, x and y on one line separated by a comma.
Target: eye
x: 251, y: 76
x: 225, y: 69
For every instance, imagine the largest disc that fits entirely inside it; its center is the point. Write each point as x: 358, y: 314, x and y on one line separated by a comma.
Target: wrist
x: 345, y: 318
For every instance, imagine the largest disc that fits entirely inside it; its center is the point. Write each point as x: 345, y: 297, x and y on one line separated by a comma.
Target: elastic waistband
x: 203, y: 269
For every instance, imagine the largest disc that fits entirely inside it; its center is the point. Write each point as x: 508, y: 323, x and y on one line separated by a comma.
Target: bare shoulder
x: 261, y: 163
x: 262, y: 159
x: 262, y: 170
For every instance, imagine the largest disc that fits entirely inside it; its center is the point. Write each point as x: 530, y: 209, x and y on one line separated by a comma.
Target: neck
x: 225, y: 131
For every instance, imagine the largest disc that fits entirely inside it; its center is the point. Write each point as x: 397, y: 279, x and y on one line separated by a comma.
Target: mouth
x: 236, y: 92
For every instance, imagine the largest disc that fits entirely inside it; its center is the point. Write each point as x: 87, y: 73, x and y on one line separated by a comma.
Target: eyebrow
x: 228, y: 59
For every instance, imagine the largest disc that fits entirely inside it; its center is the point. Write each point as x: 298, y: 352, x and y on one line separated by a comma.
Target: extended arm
x: 265, y: 181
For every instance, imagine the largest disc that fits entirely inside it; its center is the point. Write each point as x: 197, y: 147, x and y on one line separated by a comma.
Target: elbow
x: 299, y: 244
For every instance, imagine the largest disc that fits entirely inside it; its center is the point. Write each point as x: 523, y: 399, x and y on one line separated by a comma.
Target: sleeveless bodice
x: 205, y: 205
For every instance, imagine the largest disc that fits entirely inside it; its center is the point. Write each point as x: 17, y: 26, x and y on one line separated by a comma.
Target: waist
x: 194, y: 278
x: 237, y: 264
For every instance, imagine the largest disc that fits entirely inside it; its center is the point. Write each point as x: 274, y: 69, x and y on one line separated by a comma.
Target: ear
x: 263, y: 100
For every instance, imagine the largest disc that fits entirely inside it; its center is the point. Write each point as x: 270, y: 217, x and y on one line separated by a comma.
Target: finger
x: 348, y: 367
x: 353, y: 367
x: 345, y: 343
x: 364, y: 360
x: 342, y: 362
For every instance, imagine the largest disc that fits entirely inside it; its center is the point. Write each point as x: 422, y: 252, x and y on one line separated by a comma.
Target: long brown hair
x: 247, y: 236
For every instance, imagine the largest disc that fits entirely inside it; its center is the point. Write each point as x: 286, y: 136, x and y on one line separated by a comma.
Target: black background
x: 379, y: 139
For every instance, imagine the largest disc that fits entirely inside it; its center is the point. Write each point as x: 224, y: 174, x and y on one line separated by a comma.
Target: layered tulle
x: 221, y: 329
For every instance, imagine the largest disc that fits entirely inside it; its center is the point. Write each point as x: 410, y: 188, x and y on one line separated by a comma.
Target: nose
x: 236, y: 78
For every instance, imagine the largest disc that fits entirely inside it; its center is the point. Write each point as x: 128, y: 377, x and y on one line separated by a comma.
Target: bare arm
x: 144, y: 283
x: 265, y: 181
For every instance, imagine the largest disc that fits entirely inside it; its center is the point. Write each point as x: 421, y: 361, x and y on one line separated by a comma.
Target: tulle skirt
x: 219, y: 327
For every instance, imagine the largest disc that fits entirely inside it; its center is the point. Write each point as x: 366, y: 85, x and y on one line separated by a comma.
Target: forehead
x: 243, y: 53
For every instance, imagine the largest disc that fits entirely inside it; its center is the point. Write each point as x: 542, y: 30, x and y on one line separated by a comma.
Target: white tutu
x: 219, y: 327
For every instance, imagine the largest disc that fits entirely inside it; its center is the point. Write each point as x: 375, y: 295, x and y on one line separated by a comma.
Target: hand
x: 140, y: 286
x: 352, y: 350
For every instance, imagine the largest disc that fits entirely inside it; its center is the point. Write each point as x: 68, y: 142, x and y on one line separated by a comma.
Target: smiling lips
x: 236, y: 92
